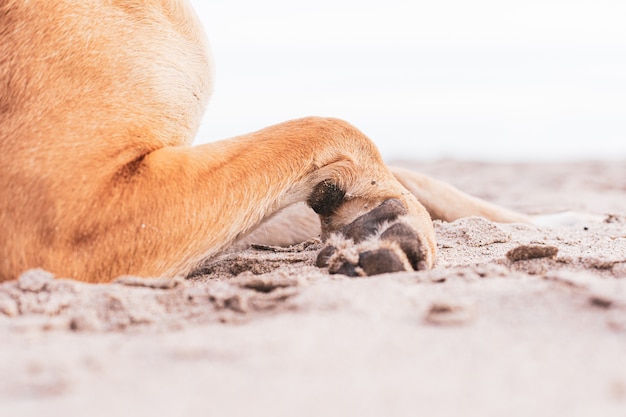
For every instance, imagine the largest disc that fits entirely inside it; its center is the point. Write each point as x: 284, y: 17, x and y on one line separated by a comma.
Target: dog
x: 99, y: 103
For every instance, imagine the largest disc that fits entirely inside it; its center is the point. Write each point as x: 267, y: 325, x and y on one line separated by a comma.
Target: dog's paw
x: 380, y: 241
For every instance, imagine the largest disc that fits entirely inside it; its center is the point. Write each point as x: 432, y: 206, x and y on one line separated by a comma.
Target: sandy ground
x: 514, y: 320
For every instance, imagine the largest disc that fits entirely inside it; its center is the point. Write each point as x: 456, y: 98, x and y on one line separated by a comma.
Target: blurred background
x: 532, y: 80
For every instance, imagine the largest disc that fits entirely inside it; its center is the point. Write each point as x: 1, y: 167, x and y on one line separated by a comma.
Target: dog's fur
x: 99, y: 103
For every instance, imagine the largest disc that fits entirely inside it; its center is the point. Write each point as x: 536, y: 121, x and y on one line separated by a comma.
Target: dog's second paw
x: 380, y: 241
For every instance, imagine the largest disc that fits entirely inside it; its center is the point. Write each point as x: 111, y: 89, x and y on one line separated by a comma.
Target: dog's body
x: 99, y: 103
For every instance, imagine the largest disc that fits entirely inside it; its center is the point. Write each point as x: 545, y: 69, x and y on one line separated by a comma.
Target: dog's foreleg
x: 183, y: 204
x: 445, y: 202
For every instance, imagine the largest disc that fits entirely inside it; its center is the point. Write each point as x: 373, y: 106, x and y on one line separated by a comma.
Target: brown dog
x: 99, y: 102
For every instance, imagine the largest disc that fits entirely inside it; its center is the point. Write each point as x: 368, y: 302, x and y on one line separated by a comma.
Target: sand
x: 514, y: 320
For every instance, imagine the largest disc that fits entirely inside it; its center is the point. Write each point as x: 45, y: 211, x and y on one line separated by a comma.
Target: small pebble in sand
x: 450, y: 313
x: 601, y: 300
x: 525, y: 252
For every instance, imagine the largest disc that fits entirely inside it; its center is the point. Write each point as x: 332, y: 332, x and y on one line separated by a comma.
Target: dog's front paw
x: 380, y: 241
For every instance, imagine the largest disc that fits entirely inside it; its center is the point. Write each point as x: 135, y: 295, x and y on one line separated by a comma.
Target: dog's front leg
x: 189, y: 203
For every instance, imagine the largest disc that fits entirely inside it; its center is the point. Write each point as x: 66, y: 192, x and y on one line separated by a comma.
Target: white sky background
x: 473, y: 79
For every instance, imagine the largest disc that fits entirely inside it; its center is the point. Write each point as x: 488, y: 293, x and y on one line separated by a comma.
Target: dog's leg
x: 181, y: 204
x: 445, y: 202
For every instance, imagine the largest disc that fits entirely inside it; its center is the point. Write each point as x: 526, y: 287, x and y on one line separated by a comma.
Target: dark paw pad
x: 324, y: 256
x: 370, y: 262
x: 369, y: 223
x: 408, y: 240
x: 380, y: 261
